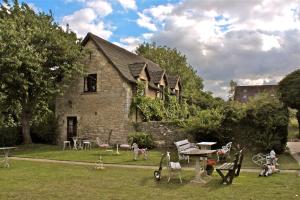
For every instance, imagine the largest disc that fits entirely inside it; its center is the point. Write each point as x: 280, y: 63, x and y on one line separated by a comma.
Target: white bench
x: 184, y: 145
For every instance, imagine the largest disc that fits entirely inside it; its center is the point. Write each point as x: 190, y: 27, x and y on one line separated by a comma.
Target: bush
x: 10, y: 136
x: 260, y: 124
x: 143, y: 140
x: 46, y: 131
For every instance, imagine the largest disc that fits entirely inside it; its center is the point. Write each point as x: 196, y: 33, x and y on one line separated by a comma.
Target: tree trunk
x: 26, y: 117
x: 298, y: 118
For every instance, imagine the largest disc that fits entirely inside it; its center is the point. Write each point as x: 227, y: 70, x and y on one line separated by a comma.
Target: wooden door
x: 71, y: 127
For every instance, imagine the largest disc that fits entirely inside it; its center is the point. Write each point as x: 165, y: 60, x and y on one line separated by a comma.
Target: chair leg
x: 169, y: 176
x: 179, y: 174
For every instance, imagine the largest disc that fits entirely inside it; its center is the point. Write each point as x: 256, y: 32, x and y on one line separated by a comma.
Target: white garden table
x: 200, y: 175
x: 6, y: 151
x: 206, y: 145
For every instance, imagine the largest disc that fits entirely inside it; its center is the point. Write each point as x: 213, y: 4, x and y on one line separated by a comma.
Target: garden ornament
x: 157, y: 173
x: 269, y: 167
x: 137, y: 151
x: 99, y: 164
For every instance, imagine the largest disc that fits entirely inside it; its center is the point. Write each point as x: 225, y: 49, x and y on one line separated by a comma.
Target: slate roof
x: 156, y: 76
x: 137, y: 68
x: 243, y: 93
x: 172, y: 81
x: 121, y: 58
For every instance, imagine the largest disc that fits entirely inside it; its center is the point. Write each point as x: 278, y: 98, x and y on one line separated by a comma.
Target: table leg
x: 5, y: 162
x: 75, y: 144
x: 198, y: 178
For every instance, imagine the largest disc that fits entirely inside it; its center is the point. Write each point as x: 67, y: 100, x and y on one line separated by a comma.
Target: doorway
x: 71, y: 128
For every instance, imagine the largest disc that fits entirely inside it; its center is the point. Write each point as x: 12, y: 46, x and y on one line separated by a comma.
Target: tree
x: 289, y: 89
x: 37, y: 61
x: 232, y: 85
x: 174, y: 63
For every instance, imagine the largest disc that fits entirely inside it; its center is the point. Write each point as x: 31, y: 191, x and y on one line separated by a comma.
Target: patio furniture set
x: 201, y: 152
x: 78, y: 143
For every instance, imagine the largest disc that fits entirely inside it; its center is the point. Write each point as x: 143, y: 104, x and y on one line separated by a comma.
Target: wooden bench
x: 232, y: 169
x: 184, y: 145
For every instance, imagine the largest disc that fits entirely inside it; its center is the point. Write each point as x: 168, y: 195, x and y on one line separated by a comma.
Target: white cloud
x: 90, y: 18
x: 129, y: 43
x: 160, y: 12
x: 154, y: 17
x: 84, y: 21
x: 252, y: 42
x: 146, y: 22
x: 102, y: 8
x: 128, y: 4
x: 147, y: 36
x: 269, y: 42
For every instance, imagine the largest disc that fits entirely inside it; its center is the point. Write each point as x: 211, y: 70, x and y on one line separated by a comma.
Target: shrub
x: 45, y: 131
x: 143, y: 140
x: 10, y: 136
x: 260, y: 124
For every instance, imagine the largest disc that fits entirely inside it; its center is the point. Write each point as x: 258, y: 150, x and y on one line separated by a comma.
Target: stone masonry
x: 164, y: 134
x: 97, y: 112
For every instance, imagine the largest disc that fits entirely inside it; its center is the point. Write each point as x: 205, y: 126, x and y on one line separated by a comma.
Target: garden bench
x: 184, y: 145
x: 232, y: 169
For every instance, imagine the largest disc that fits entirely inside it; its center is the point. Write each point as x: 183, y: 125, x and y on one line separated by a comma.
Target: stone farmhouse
x: 99, y: 102
x: 243, y: 93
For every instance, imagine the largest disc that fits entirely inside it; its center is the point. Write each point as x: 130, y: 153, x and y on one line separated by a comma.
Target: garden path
x: 122, y: 165
x: 294, y: 148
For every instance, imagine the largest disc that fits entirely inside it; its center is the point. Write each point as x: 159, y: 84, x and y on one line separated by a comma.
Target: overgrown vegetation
x: 289, y: 90
x: 142, y: 139
x: 171, y: 109
x: 261, y: 124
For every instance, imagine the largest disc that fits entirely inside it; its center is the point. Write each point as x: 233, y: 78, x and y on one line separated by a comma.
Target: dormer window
x: 90, y: 83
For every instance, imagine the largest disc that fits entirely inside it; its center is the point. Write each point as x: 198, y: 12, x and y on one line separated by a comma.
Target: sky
x: 252, y: 42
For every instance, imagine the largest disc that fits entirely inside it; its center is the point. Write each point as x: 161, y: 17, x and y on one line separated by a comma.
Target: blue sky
x: 122, y: 20
x: 252, y: 42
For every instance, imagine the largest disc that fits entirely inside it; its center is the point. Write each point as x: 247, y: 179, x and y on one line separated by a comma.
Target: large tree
x: 37, y: 60
x: 289, y: 89
x: 176, y: 64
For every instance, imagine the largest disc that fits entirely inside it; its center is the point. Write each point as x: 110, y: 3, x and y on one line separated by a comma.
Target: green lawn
x: 55, y: 153
x: 35, y: 181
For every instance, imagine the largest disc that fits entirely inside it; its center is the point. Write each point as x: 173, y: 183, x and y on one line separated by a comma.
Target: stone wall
x: 97, y: 112
x: 163, y: 133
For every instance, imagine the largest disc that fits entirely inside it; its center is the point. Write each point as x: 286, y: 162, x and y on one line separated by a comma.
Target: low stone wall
x: 164, y: 133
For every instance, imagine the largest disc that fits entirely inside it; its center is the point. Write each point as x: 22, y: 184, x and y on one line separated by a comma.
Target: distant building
x: 243, y: 93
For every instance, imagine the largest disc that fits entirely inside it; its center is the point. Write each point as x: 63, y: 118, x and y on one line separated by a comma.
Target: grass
x: 29, y: 180
x: 55, y: 153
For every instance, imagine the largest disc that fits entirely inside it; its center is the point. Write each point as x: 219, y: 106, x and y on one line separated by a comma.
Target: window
x: 90, y: 83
